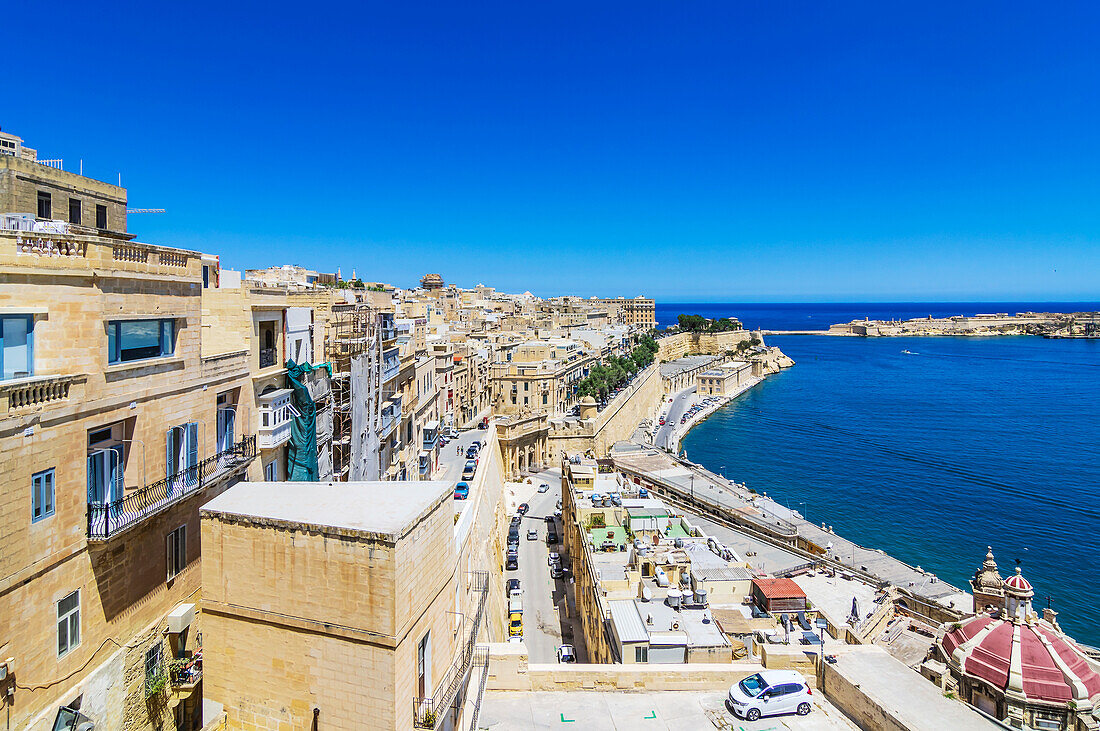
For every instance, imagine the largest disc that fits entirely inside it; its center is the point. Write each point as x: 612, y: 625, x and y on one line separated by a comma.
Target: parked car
x: 512, y: 562
x: 544, y: 487
x: 513, y: 585
x: 550, y: 521
x: 532, y: 535
x: 515, y: 625
x: 552, y: 537
x: 566, y: 654
x: 462, y: 491
x: 553, y: 558
x: 769, y: 693
x: 484, y: 423
x: 523, y: 508
x: 516, y: 520
x: 476, y: 444
x: 556, y: 571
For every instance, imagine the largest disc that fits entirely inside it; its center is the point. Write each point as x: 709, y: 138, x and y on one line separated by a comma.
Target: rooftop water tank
x: 675, y: 597
x: 701, y: 596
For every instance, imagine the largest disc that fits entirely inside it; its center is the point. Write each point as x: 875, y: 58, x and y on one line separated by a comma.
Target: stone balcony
x: 34, y: 393
x: 78, y: 253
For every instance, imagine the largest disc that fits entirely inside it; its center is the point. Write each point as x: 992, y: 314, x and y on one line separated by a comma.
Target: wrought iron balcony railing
x: 429, y: 712
x: 106, y: 519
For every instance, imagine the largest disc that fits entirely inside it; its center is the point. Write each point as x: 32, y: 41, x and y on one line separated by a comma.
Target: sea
x: 930, y: 455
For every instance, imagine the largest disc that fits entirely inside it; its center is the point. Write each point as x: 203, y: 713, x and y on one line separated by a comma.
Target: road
x: 665, y: 434
x: 545, y: 621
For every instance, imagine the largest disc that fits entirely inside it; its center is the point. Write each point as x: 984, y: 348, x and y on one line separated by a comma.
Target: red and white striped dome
x: 1032, y: 658
x: 1019, y: 585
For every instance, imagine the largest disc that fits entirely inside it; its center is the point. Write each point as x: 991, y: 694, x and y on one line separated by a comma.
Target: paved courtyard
x: 679, y: 710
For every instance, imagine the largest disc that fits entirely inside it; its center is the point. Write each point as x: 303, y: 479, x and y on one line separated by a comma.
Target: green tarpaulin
x: 301, y: 452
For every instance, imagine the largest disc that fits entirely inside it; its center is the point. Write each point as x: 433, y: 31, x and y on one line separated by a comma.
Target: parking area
x: 680, y: 710
x: 546, y: 624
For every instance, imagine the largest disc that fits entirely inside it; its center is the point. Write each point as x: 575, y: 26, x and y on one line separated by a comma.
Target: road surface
x: 665, y: 435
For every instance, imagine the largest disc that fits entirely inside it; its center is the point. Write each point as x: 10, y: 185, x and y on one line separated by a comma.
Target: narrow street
x: 664, y: 438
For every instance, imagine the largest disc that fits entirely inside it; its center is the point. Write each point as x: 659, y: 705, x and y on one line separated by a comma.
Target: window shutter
x: 116, y: 471
x: 169, y: 451
x: 170, y: 553
x: 192, y: 444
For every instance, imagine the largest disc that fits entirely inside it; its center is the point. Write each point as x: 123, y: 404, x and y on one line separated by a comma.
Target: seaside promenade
x: 715, y: 496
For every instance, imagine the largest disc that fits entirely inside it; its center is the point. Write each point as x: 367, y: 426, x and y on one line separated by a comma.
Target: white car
x: 566, y: 654
x: 544, y: 487
x: 769, y: 693
x: 553, y: 558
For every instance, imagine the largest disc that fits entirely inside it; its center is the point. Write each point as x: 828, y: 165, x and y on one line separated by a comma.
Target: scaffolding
x: 353, y: 337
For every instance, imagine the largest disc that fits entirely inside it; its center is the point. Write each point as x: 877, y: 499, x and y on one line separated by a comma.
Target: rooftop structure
x: 1016, y: 666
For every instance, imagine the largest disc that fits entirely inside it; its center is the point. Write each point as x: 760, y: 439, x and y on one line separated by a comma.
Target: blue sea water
x: 933, y: 456
x: 818, y: 316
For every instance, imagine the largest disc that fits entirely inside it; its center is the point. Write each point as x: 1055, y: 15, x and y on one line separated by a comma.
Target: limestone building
x: 117, y: 425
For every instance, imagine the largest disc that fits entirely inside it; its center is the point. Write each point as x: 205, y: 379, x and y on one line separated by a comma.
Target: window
x: 16, y: 346
x: 177, y: 551
x: 424, y: 666
x: 41, y: 495
x: 271, y: 472
x: 100, y: 216
x: 154, y: 664
x: 74, y: 210
x: 68, y: 623
x: 641, y: 653
x: 129, y: 340
x: 45, y: 205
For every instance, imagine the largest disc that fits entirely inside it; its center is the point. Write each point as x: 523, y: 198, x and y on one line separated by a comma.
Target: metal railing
x: 106, y: 519
x: 429, y: 712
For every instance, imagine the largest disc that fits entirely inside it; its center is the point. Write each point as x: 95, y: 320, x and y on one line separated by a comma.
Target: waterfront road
x: 666, y: 434
x: 546, y: 620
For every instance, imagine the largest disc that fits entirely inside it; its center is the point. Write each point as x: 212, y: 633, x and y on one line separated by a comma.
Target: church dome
x: 1016, y: 653
x: 1019, y: 586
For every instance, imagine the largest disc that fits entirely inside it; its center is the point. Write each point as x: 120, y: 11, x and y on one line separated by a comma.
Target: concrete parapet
x: 510, y: 670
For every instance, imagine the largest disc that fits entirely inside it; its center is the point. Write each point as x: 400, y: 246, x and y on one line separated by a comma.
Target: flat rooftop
x: 387, y: 508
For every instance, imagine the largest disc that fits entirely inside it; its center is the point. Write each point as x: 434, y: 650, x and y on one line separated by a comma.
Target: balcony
x: 106, y: 520
x: 425, y: 466
x: 430, y: 712
x: 391, y: 417
x: 184, y: 676
x: 391, y: 364
x: 276, y: 417
x: 35, y: 392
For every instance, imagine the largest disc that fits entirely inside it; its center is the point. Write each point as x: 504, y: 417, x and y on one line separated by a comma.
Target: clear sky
x: 737, y: 151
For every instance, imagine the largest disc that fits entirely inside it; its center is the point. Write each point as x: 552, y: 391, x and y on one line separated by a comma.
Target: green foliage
x: 700, y: 324
x: 603, y: 378
x: 155, y: 685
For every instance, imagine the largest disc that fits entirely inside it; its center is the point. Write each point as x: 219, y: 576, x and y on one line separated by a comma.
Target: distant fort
x: 1046, y: 324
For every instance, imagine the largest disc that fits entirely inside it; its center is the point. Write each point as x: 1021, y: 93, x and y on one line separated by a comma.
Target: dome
x: 1019, y: 586
x: 1031, y: 658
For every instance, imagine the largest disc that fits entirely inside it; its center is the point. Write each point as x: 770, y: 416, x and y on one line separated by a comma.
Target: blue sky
x: 737, y: 151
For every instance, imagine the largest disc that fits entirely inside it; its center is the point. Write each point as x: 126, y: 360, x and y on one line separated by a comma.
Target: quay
x: 718, y: 499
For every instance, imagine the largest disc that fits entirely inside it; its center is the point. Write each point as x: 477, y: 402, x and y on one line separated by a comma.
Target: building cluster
x: 139, y: 382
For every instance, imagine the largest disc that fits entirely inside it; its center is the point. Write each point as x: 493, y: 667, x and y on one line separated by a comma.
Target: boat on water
x: 909, y: 352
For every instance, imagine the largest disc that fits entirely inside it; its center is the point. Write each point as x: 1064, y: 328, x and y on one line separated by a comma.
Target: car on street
x: 516, y: 520
x: 532, y: 535
x: 566, y: 654
x: 544, y: 487
x: 662, y: 422
x: 556, y: 571
x: 513, y: 585
x: 462, y: 491
x: 551, y: 536
x: 553, y: 558
x: 769, y: 693
x: 512, y: 563
x: 515, y: 625
x: 523, y: 508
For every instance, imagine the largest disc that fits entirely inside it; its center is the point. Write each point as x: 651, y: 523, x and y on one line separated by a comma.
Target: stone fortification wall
x: 615, y: 423
x: 678, y: 345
